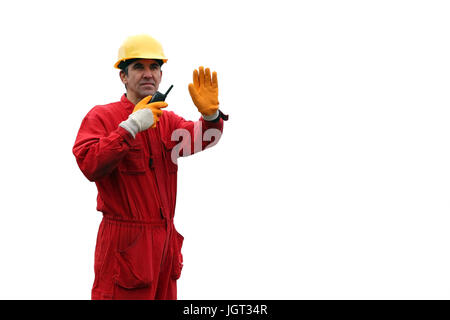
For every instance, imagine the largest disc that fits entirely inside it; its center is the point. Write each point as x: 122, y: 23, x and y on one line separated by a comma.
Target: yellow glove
x: 155, y: 107
x: 205, y: 91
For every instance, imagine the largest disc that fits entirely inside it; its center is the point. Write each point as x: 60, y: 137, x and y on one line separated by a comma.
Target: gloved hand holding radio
x: 204, y: 93
x: 144, y: 116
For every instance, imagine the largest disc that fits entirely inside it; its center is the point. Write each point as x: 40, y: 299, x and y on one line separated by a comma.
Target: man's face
x: 143, y: 78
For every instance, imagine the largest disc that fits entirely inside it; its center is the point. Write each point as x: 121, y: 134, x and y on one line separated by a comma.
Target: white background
x: 332, y: 178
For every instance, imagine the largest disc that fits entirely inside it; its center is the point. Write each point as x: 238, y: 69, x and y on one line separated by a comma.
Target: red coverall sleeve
x: 194, y: 136
x: 98, y: 151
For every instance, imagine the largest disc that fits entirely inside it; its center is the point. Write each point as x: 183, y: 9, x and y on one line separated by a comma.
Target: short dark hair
x: 123, y: 65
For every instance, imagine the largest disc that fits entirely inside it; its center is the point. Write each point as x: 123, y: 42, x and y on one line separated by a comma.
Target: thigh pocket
x: 177, y: 262
x: 134, y: 265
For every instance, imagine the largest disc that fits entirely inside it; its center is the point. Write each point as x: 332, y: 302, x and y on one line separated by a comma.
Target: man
x: 127, y: 149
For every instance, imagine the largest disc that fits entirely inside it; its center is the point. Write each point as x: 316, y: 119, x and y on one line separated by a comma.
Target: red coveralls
x: 138, y: 250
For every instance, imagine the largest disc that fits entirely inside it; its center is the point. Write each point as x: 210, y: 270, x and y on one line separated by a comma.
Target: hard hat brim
x: 116, y: 65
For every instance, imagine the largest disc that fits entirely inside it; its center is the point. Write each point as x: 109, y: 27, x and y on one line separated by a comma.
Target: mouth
x: 147, y: 84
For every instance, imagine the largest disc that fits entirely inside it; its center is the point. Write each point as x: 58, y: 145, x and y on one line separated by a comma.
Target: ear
x: 123, y: 77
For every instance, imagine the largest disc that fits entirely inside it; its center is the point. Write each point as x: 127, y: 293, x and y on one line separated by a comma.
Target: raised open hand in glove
x: 205, y: 91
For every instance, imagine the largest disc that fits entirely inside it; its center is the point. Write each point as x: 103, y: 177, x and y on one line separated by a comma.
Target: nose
x: 147, y: 72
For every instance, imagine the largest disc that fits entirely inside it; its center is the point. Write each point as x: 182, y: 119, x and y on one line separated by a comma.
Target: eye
x: 138, y: 66
x: 154, y: 66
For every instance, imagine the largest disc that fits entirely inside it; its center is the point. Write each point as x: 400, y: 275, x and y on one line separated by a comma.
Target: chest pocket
x: 171, y: 166
x: 134, y: 162
x: 161, y: 158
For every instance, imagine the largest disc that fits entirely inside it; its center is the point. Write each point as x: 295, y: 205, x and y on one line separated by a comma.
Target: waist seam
x: 151, y: 222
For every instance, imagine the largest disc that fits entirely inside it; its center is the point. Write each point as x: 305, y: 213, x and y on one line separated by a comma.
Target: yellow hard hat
x: 140, y: 47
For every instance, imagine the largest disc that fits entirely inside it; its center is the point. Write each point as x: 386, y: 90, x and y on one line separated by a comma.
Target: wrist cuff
x: 211, y: 117
x: 131, y: 126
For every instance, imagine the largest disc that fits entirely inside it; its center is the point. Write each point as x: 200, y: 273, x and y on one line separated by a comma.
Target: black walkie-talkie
x: 158, y: 96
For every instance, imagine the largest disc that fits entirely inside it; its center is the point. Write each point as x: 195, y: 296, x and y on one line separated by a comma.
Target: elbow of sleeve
x: 90, y: 177
x: 88, y: 171
x: 89, y: 174
x: 95, y: 174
